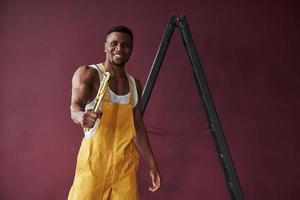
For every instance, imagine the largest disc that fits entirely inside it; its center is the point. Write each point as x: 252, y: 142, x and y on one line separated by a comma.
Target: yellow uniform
x: 107, y: 161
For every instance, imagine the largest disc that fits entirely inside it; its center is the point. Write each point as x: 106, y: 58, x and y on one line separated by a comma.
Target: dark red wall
x: 250, y: 53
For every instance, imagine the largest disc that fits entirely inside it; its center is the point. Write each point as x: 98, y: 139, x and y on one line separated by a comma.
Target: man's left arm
x: 143, y: 144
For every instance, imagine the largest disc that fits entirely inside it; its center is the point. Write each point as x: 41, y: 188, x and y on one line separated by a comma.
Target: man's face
x: 118, y: 47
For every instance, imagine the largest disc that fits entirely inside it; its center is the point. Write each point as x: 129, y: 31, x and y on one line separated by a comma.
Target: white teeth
x: 118, y: 55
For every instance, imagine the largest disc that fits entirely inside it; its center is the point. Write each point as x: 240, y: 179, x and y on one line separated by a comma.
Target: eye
x: 125, y: 45
x: 113, y: 43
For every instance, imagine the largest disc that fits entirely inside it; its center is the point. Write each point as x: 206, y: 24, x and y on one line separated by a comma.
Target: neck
x: 115, y: 71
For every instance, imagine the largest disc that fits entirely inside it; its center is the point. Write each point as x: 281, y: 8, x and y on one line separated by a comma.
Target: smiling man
x: 107, y: 160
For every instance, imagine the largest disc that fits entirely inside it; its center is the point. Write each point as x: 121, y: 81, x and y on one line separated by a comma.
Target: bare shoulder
x: 85, y: 74
x: 138, y: 85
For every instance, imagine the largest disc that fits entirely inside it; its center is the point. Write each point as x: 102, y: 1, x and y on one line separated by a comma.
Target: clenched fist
x: 89, y: 118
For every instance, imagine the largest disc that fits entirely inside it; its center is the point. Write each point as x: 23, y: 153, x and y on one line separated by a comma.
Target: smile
x: 118, y: 55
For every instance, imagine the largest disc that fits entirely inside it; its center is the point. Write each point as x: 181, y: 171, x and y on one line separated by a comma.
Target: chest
x: 119, y: 86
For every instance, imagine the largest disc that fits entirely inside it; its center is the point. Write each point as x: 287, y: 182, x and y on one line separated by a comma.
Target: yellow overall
x: 107, y: 162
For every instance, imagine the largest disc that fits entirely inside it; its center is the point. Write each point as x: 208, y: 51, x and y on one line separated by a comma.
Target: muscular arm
x: 143, y: 144
x: 82, y: 91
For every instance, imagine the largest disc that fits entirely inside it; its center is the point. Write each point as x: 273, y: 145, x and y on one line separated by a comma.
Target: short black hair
x: 121, y: 29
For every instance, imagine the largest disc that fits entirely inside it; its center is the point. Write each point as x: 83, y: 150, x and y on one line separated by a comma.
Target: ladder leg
x: 158, y: 61
x: 211, y: 113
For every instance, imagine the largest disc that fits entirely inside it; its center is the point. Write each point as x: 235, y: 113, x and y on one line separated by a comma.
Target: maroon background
x: 250, y: 53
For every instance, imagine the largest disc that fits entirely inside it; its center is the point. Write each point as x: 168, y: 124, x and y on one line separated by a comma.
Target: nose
x: 118, y: 47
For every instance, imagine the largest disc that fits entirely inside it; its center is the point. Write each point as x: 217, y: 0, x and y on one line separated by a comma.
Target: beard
x: 122, y: 64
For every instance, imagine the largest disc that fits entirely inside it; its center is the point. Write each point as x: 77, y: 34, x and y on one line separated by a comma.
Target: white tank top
x: 121, y: 99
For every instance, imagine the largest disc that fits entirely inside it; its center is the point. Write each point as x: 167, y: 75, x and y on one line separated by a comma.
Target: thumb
x: 153, y: 177
x: 99, y: 114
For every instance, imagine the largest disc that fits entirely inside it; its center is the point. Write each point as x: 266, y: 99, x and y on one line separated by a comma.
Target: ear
x: 105, y: 47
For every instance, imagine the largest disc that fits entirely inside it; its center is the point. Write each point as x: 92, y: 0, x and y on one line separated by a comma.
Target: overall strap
x: 102, y: 69
x: 131, y: 89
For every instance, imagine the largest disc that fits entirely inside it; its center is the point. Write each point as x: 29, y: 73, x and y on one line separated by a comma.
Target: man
x: 107, y: 160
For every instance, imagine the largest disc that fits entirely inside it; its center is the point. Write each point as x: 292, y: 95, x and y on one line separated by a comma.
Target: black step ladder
x: 210, y: 110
